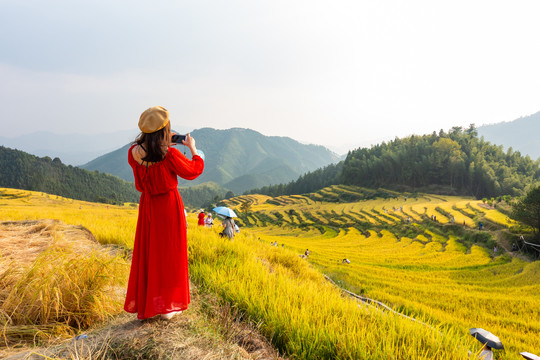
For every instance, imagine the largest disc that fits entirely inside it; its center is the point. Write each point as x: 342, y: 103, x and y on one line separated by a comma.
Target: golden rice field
x: 109, y: 224
x: 430, y: 275
x: 397, y: 254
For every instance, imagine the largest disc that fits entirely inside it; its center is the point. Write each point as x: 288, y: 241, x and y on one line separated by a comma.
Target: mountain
x: 29, y: 172
x: 455, y: 163
x: 520, y: 134
x: 72, y: 149
x: 237, y: 159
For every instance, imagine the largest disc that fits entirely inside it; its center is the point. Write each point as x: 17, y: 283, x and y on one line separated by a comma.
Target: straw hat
x: 153, y: 119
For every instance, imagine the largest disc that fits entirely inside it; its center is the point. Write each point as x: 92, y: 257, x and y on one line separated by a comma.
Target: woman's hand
x: 190, y: 143
x: 171, y: 134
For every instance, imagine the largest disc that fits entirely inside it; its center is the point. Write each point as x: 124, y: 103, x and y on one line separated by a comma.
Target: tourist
x: 228, y: 225
x: 200, y: 217
x: 209, y: 221
x: 159, y: 281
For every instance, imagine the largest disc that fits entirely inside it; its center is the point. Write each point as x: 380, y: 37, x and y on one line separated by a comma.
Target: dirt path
x: 506, y: 244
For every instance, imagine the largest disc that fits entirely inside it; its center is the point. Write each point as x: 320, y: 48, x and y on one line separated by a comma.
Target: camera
x: 177, y: 139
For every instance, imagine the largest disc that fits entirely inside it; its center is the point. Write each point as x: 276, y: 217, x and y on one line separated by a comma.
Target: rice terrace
x: 387, y: 275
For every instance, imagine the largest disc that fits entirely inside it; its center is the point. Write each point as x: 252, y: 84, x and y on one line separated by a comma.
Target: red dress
x: 159, y: 281
x: 201, y: 219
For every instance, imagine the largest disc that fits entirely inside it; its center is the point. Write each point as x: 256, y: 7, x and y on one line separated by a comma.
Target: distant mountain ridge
x: 72, y: 149
x: 237, y: 159
x: 520, y: 134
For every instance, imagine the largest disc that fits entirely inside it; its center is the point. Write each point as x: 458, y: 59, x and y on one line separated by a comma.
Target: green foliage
x: 307, y: 183
x: 202, y: 195
x: 24, y: 171
x: 469, y: 238
x: 457, y: 161
x: 527, y: 210
x: 246, y: 206
x: 114, y: 163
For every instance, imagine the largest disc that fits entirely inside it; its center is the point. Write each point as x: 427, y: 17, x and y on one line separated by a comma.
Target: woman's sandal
x: 170, y: 315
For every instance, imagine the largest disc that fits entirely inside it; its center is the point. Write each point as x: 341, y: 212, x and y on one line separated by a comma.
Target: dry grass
x: 24, y: 241
x: 55, y: 279
x: 207, y: 330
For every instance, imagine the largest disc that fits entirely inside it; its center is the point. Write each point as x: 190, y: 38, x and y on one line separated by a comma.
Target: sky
x: 338, y: 73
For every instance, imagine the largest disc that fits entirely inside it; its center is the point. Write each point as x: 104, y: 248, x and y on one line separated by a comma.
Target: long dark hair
x: 154, y: 143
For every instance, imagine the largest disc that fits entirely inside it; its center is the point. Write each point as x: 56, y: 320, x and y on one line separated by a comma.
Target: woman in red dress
x: 158, y: 281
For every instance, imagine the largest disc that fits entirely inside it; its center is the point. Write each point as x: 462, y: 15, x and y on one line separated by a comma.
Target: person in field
x: 200, y: 216
x: 228, y: 225
x: 158, y: 281
x: 486, y: 353
x: 209, y: 221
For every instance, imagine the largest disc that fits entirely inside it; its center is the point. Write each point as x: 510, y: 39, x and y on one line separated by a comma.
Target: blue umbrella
x: 225, y: 211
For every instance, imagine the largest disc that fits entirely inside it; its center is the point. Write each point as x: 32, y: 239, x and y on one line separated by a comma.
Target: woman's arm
x: 183, y: 167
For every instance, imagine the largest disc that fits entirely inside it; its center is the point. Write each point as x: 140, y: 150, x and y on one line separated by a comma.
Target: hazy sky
x: 338, y: 73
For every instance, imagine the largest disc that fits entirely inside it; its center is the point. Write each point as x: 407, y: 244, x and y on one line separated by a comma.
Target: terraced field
x: 422, y: 255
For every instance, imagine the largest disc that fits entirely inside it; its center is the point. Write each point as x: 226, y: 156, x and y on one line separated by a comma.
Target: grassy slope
x: 58, y: 282
x: 304, y: 315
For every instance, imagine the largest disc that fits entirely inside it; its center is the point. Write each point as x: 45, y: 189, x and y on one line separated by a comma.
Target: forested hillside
x: 24, y: 171
x: 114, y: 163
x: 203, y: 195
x: 237, y: 159
x: 454, y: 162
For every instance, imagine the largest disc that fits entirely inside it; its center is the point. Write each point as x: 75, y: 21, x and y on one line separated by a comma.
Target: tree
x: 472, y: 131
x: 527, y: 210
x: 246, y: 206
x: 448, y: 158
